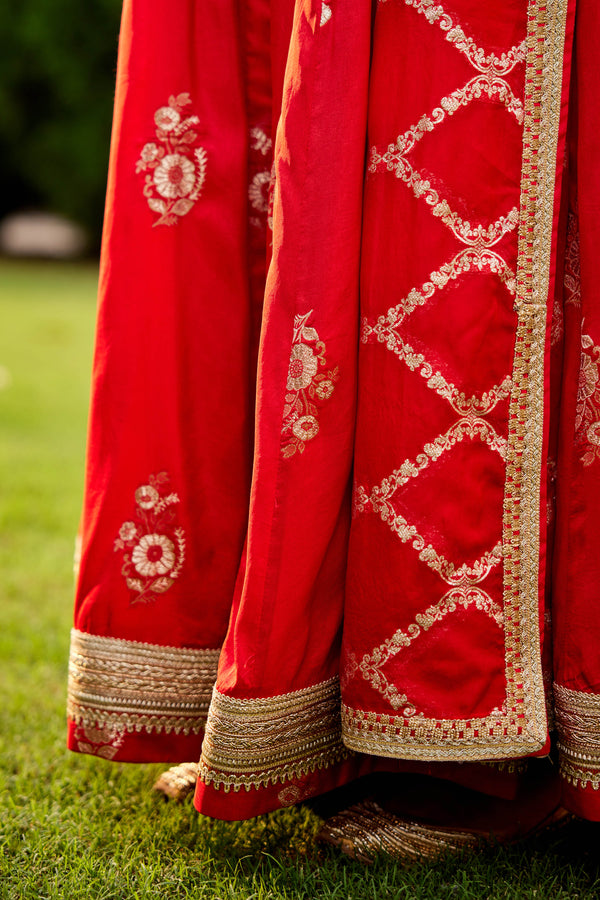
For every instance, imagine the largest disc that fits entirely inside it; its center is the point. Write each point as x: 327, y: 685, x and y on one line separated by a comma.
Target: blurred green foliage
x: 57, y: 73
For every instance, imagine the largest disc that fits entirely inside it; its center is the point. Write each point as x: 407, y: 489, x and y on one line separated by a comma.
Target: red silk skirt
x: 344, y: 447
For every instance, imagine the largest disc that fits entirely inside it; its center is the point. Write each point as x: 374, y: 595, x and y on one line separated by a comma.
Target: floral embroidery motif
x: 127, y: 686
x: 100, y: 741
x: 571, y: 296
x: 307, y: 388
x: 587, y: 415
x: 176, y: 166
x: 261, y: 147
x: 154, y: 549
x: 293, y: 793
x: 258, y: 192
x: 572, y: 279
x: 325, y: 13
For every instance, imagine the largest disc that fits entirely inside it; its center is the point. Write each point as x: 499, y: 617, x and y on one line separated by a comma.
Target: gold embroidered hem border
x: 434, y: 740
x: 254, y: 743
x: 135, y: 686
x: 578, y: 726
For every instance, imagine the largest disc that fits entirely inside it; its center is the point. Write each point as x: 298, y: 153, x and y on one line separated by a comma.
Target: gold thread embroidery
x: 578, y: 725
x: 307, y: 388
x: 271, y: 198
x: 498, y: 735
x: 260, y: 141
x: 587, y: 413
x: 485, y: 63
x: 176, y: 166
x: 472, y: 259
x: 117, y: 686
x: 254, y: 743
x: 259, y: 188
x: 572, y: 278
x: 326, y: 13
x: 258, y: 192
x: 365, y: 830
x: 520, y: 726
x: 104, y: 742
x: 154, y: 550
x: 522, y: 515
x: 463, y: 596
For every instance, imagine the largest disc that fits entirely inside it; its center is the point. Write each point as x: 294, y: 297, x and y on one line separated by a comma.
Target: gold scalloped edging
x: 521, y: 727
x: 578, y: 725
x: 254, y: 743
x: 136, y: 686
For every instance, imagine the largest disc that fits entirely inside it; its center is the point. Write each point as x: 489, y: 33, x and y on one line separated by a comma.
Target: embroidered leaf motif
x: 180, y: 100
x: 158, y: 206
x: 310, y: 334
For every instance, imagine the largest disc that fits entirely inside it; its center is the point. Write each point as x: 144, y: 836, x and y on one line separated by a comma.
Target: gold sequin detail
x: 254, y: 743
x: 135, y: 686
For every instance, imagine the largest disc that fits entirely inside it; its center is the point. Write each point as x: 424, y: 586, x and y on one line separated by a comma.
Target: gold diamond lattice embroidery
x: 475, y: 253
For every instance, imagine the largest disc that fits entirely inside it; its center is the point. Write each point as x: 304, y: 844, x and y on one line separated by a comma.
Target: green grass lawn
x: 79, y: 827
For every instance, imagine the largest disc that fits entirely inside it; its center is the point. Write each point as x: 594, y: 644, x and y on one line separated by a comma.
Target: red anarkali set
x: 344, y: 450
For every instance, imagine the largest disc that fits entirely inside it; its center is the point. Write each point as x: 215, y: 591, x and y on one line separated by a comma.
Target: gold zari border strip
x: 254, y: 743
x: 578, y: 725
x: 434, y: 740
x: 521, y: 727
x: 135, y: 686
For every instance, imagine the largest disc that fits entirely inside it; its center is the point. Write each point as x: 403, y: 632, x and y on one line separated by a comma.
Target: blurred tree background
x: 57, y: 73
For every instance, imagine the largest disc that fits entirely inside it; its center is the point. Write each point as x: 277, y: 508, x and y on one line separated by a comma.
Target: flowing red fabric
x: 343, y: 453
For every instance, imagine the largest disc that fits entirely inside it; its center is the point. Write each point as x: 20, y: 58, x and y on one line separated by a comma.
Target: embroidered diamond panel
x: 447, y: 333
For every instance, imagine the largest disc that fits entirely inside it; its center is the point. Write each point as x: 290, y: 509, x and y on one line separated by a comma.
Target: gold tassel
x: 179, y: 781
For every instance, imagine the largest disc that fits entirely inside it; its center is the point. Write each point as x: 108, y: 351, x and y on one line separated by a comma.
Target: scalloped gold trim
x: 135, y: 686
x: 257, y: 742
